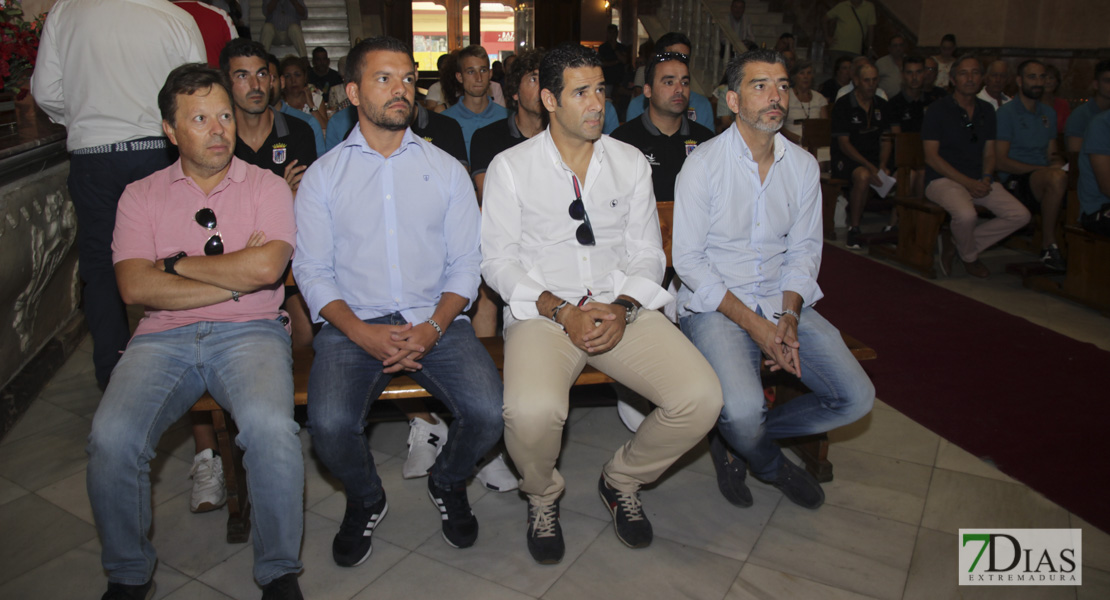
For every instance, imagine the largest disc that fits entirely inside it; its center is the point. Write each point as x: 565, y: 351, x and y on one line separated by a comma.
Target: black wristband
x: 167, y: 264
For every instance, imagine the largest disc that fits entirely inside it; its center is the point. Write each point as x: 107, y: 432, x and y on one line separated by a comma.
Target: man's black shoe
x: 283, y: 588
x: 730, y: 473
x: 798, y: 485
x: 460, y: 527
x: 855, y: 239
x: 545, y: 535
x: 119, y: 591
x: 352, y: 545
x: 629, y: 521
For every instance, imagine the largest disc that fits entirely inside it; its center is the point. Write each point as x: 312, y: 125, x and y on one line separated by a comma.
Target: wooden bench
x: 817, y: 134
x: 812, y: 449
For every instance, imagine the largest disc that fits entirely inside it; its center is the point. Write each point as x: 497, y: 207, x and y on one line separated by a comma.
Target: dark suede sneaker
x: 730, y: 474
x: 545, y: 535
x: 798, y: 485
x: 1051, y: 258
x: 283, y: 588
x: 353, y: 545
x: 629, y: 521
x: 855, y: 239
x: 119, y: 591
x: 460, y: 528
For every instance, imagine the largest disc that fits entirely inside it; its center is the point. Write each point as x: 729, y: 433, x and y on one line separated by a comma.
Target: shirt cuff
x: 707, y: 298
x: 317, y: 297
x: 522, y: 301
x: 649, y: 294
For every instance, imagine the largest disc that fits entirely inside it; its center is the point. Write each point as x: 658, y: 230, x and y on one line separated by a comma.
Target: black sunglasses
x: 577, y: 209
x: 206, y: 218
x: 968, y: 124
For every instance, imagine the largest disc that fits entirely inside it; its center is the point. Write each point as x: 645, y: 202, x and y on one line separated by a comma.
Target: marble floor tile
x: 10, y: 491
x: 600, y: 428
x: 191, y: 543
x: 759, y: 583
x: 75, y: 392
x: 178, y: 439
x: 417, y: 576
x: 34, y: 532
x: 952, y: 457
x: 390, y: 438
x: 500, y: 554
x: 608, y: 569
x: 40, y: 417
x: 959, y: 500
x: 1096, y: 544
x: 580, y: 465
x: 843, y: 548
x: 934, y: 575
x: 1096, y: 585
x: 195, y: 590
x: 318, y: 481
x: 321, y: 577
x: 887, y: 432
x: 70, y: 495
x: 39, y: 460
x: 884, y: 487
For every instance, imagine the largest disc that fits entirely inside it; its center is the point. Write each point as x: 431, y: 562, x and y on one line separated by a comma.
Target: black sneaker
x: 855, y: 241
x: 890, y: 229
x: 545, y: 535
x: 460, y: 528
x: 730, y: 474
x: 631, y: 525
x: 119, y: 591
x: 798, y: 485
x: 352, y: 545
x: 1051, y: 258
x: 283, y: 588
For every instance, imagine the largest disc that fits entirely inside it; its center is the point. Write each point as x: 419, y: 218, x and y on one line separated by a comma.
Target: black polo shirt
x: 665, y: 153
x: 491, y: 140
x: 961, y: 138
x: 829, y: 89
x: 864, y: 128
x: 325, y: 82
x: 443, y: 132
x: 907, y: 114
x: 289, y: 140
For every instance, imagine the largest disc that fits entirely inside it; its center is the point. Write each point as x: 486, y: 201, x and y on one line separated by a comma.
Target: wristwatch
x: 167, y: 264
x: 631, y: 310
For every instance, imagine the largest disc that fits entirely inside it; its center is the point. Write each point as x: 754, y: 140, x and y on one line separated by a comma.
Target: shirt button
x: 390, y: 232
x: 584, y: 259
x: 394, y: 266
x: 388, y: 196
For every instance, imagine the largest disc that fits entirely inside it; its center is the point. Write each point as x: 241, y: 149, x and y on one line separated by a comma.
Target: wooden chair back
x: 816, y: 133
x: 909, y: 156
x: 666, y: 226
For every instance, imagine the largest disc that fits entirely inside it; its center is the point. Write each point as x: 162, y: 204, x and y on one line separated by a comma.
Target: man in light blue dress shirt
x: 747, y: 245
x: 388, y: 259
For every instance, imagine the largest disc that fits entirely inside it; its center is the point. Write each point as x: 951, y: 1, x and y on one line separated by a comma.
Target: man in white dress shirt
x: 747, y: 245
x: 571, y: 241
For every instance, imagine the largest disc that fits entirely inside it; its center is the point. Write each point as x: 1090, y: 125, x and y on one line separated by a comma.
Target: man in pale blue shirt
x: 747, y: 245
x: 699, y: 110
x: 388, y: 259
x: 475, y: 108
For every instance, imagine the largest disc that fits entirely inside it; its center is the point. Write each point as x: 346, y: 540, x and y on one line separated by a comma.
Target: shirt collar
x: 237, y: 173
x: 513, y: 129
x: 683, y: 128
x: 557, y: 159
x: 745, y: 152
x: 421, y: 116
x: 280, y: 125
x: 357, y: 140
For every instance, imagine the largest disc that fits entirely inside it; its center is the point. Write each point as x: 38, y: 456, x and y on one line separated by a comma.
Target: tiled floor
x: 887, y: 530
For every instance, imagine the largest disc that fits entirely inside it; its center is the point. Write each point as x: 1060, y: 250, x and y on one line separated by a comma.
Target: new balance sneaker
x: 119, y: 591
x: 855, y: 239
x: 545, y: 535
x: 798, y: 485
x: 497, y: 476
x: 283, y: 588
x: 209, y: 492
x: 460, y: 527
x: 353, y: 544
x: 425, y: 442
x: 632, y: 527
x: 730, y: 473
x: 1051, y: 258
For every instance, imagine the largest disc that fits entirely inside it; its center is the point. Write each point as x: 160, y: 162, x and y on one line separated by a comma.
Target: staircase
x: 327, y: 25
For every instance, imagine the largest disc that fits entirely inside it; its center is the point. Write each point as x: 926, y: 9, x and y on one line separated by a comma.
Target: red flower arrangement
x: 19, y: 46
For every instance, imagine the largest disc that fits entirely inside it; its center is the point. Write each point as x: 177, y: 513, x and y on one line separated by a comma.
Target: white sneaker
x: 497, y: 476
x: 209, y: 492
x: 426, y: 440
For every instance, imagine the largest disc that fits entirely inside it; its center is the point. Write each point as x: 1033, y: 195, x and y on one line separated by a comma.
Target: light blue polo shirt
x: 1096, y: 140
x: 1080, y: 118
x: 1029, y: 133
x: 471, y: 122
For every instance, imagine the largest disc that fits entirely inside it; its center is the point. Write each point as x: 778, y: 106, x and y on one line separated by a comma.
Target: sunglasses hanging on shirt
x: 585, y: 233
x: 206, y: 218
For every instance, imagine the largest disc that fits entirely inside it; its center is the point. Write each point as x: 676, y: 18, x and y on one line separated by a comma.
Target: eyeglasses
x: 206, y: 218
x: 585, y: 233
x: 969, y: 125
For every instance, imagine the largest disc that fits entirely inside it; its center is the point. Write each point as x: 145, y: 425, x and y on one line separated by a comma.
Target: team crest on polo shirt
x: 428, y: 139
x: 878, y: 115
x: 1044, y: 121
x: 690, y: 145
x: 691, y: 113
x: 279, y: 153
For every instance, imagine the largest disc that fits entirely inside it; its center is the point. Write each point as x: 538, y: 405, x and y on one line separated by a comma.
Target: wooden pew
x: 812, y: 449
x: 817, y: 134
x: 1087, y: 279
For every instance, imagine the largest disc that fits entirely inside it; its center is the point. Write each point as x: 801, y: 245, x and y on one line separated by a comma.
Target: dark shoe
x: 460, y: 528
x: 890, y: 229
x: 119, y: 591
x: 545, y: 535
x: 976, y: 268
x: 855, y: 239
x: 730, y: 473
x: 798, y: 485
x: 353, y: 544
x: 283, y: 588
x: 1052, y: 259
x: 631, y: 525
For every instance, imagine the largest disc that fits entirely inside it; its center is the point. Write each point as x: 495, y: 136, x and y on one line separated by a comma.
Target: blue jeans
x: 841, y: 391
x: 345, y: 381
x: 248, y: 370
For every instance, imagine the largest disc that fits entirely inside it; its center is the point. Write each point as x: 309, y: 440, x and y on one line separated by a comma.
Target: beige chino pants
x: 970, y: 237
x: 653, y: 358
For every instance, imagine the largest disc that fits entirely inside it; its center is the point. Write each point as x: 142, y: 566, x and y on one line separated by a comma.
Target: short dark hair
x: 948, y: 37
x: 840, y: 61
x: 471, y: 51
x: 662, y: 57
x: 800, y: 66
x: 526, y: 62
x: 188, y: 79
x: 273, y: 60
x: 786, y: 35
x: 960, y: 59
x: 1025, y: 64
x: 913, y: 59
x: 356, y: 58
x: 567, y: 55
x: 1103, y: 66
x: 240, y: 48
x: 319, y: 49
x: 675, y: 37
x: 293, y: 61
x: 736, y: 65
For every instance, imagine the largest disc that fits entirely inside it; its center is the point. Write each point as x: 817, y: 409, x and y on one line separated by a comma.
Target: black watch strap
x: 167, y: 265
x: 628, y: 306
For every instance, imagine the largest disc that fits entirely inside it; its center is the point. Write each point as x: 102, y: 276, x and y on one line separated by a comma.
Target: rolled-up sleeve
x: 690, y: 240
x: 501, y: 235
x: 462, y: 230
x: 314, y: 259
x: 803, y: 242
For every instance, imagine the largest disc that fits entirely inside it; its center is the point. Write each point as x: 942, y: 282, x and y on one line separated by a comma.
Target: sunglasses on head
x: 206, y: 218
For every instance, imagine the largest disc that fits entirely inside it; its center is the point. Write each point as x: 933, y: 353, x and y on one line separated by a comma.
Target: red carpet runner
x: 1037, y: 403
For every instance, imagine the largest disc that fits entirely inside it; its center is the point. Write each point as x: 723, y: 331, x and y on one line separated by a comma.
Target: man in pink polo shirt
x: 202, y: 244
